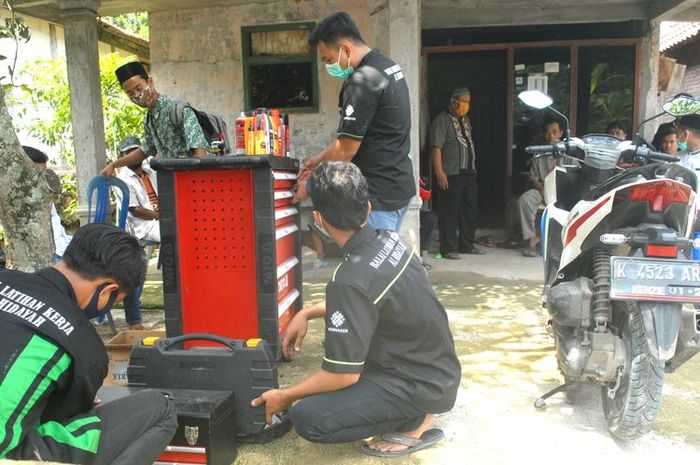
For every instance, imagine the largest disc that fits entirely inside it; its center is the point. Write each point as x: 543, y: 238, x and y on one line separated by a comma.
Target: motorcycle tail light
x: 668, y: 251
x: 659, y: 194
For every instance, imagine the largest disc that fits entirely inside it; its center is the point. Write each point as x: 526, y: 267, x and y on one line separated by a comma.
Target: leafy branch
x: 16, y: 29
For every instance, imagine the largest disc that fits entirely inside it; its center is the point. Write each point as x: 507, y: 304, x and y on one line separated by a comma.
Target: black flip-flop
x: 427, y: 439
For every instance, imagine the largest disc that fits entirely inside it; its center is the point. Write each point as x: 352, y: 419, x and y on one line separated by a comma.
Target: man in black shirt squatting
x: 390, y: 361
x: 375, y: 119
x: 52, y: 361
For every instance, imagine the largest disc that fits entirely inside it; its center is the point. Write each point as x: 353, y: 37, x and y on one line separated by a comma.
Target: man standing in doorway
x: 161, y: 135
x: 454, y: 162
x: 375, y: 119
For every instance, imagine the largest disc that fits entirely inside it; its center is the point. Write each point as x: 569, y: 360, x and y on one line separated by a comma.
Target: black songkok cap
x: 129, y: 70
x: 690, y: 121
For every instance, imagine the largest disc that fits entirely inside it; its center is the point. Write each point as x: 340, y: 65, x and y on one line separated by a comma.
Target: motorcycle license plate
x: 651, y: 279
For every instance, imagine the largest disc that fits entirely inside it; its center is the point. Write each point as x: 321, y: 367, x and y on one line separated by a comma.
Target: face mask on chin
x: 336, y: 72
x: 91, y: 310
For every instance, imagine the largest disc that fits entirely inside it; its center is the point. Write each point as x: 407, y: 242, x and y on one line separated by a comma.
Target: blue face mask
x: 91, y: 310
x: 336, y: 72
x: 682, y: 146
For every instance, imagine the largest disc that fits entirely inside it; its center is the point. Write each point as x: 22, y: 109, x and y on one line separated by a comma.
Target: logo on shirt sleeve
x: 349, y: 110
x: 337, y: 320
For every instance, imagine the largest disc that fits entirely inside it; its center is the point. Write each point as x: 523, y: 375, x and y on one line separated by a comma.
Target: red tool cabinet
x: 230, y: 246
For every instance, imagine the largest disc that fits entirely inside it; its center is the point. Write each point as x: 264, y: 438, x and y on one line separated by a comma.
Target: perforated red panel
x: 216, y: 240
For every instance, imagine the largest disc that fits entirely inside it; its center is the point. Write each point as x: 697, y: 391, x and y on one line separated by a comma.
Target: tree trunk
x: 25, y: 203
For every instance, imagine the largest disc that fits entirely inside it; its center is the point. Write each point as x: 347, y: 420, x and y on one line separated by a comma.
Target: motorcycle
x: 617, y: 238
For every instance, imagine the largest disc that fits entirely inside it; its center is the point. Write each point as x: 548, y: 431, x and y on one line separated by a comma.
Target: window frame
x: 249, y: 61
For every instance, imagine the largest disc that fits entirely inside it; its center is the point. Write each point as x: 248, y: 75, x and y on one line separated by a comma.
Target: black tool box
x: 245, y: 368
x: 205, y: 432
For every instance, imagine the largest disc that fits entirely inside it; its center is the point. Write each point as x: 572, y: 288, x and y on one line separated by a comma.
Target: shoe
x: 475, y: 251
x: 426, y: 439
x: 529, y: 251
x: 136, y: 327
x: 451, y: 256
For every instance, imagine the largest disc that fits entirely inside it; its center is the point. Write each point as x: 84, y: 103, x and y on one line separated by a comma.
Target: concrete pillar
x: 404, y: 48
x: 82, y: 59
x: 649, y: 70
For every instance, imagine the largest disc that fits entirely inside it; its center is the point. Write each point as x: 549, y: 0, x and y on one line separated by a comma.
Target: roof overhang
x: 434, y: 13
x: 51, y: 9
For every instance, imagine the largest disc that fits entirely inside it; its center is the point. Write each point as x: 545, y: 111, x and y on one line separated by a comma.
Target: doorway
x: 485, y: 73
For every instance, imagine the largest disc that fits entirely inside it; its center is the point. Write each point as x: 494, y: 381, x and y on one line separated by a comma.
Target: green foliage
x: 50, y: 92
x: 49, y: 95
x: 67, y: 201
x: 611, y: 95
x: 135, y: 23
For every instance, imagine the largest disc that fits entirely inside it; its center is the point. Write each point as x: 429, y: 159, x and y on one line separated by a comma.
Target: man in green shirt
x: 161, y: 135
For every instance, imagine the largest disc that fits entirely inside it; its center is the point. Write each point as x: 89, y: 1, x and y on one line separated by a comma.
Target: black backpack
x: 213, y: 126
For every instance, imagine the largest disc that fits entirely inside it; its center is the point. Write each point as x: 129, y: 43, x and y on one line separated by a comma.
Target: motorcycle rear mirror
x: 535, y: 99
x: 681, y: 105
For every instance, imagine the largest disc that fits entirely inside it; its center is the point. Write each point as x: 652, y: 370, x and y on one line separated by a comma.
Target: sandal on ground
x: 427, y: 439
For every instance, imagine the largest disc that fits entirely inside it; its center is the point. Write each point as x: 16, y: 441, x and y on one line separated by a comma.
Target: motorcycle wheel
x: 631, y: 413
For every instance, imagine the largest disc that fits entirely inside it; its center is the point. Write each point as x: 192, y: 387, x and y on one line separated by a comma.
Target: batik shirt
x: 162, y: 136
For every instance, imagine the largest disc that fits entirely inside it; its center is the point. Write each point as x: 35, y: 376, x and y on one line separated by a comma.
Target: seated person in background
x: 666, y: 139
x: 60, y: 237
x: 143, y: 220
x: 615, y: 129
x: 52, y: 362
x: 531, y: 200
x: 390, y: 361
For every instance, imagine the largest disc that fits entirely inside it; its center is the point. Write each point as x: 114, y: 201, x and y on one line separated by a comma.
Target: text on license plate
x: 657, y: 271
x: 648, y: 279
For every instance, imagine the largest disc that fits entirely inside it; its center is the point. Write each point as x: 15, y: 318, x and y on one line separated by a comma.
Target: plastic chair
x: 100, y: 186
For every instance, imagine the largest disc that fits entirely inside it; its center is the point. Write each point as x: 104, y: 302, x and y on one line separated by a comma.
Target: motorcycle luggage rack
x: 540, y: 403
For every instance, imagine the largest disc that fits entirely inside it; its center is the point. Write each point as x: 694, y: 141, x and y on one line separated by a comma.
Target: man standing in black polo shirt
x: 390, y: 361
x: 375, y: 119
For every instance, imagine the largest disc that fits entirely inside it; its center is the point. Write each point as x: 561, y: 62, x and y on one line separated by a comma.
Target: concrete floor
x: 507, y: 362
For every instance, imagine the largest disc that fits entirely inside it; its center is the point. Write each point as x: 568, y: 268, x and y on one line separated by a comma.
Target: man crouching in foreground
x: 390, y: 361
x: 52, y: 361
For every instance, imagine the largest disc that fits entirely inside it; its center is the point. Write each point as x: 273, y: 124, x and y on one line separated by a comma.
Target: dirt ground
x: 507, y: 362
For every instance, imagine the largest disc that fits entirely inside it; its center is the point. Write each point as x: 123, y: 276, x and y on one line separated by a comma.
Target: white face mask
x: 145, y: 94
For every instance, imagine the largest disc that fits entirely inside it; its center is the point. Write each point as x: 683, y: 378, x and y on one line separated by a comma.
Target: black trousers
x: 456, y: 209
x: 427, y: 223
x: 360, y: 411
x: 135, y: 429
